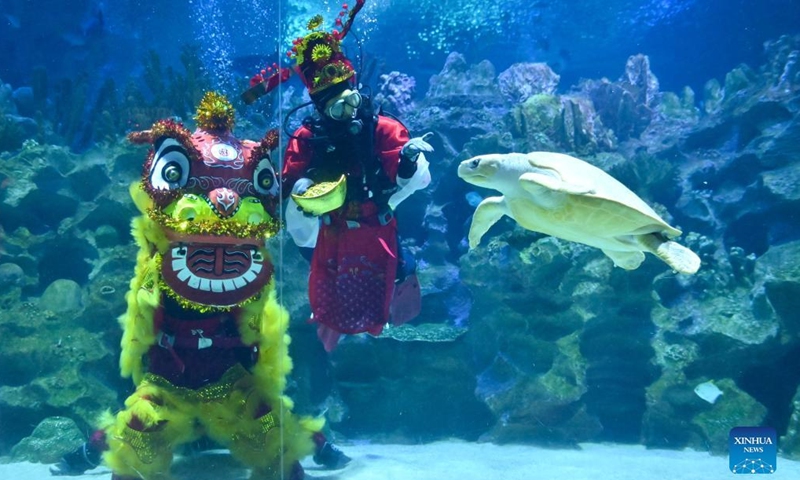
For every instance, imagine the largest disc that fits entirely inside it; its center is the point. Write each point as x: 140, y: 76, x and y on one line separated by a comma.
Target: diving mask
x: 344, y: 107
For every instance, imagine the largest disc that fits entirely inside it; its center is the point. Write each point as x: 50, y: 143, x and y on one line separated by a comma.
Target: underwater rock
x: 61, y: 296
x: 671, y: 406
x: 739, y: 83
x: 712, y: 97
x: 24, y: 101
x: 25, y: 128
x: 426, y: 332
x: 106, y: 236
x: 538, y: 407
x: 530, y: 295
x: 581, y: 130
x: 35, y: 198
x: 678, y: 418
x: 107, y: 284
x: 463, y: 101
x: 67, y: 370
x: 568, y: 123
x: 618, y: 109
x: 733, y: 409
x: 459, y: 81
x: 523, y: 80
x: 738, y: 313
x: 790, y: 442
x: 536, y: 120
x: 778, y: 271
x: 640, y: 80
x: 49, y: 441
x: 7, y: 104
x: 294, y: 287
x: 782, y: 69
x: 488, y: 143
x: 783, y: 182
x: 673, y: 108
x: 407, y: 391
x: 11, y: 135
x: 787, y: 59
x: 11, y: 275
x: 13, y: 280
x: 627, y: 105
x: 753, y: 138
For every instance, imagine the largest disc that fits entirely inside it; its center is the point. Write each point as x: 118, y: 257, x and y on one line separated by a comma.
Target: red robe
x: 355, y: 259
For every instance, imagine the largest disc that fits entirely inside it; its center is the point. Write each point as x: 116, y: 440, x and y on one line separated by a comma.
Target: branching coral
x: 396, y: 91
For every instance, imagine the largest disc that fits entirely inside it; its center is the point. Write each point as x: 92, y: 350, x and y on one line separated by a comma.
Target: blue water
x: 689, y: 41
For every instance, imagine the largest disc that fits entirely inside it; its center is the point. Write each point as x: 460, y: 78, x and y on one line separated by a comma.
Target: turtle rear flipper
x: 625, y: 260
x: 672, y: 253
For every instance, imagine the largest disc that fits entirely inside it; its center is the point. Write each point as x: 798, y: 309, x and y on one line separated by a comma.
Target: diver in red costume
x: 358, y: 280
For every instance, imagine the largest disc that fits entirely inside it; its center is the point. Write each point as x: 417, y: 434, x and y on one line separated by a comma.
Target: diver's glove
x: 410, y: 152
x: 301, y: 185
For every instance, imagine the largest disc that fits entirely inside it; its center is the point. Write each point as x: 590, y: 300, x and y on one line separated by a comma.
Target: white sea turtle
x: 565, y: 197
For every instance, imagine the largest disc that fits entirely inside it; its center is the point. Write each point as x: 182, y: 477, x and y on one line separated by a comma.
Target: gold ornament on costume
x: 315, y: 22
x: 225, y: 228
x: 331, y: 74
x: 215, y: 112
x: 212, y: 392
x: 321, y: 53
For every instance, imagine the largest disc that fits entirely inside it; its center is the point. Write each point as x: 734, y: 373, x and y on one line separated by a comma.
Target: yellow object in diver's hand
x: 323, y: 197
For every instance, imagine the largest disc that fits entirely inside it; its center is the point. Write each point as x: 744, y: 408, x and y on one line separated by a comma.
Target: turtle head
x: 480, y: 170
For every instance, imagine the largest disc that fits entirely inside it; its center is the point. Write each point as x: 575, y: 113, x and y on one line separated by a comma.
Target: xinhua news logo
x: 752, y: 450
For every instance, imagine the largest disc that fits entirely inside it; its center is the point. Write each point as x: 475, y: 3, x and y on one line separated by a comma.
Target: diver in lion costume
x: 204, y: 337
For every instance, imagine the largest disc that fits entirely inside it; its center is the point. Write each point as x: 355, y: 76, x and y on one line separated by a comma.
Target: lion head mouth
x: 215, y: 274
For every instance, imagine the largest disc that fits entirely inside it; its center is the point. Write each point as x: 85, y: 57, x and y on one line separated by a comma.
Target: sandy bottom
x: 464, y: 461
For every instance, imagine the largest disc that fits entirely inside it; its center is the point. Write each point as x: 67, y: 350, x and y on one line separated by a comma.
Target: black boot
x: 329, y: 456
x: 85, y: 457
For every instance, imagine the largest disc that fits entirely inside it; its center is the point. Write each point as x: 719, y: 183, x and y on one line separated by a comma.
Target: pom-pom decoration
x: 215, y: 113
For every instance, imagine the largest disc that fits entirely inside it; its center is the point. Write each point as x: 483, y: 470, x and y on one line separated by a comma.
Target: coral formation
x: 396, y: 92
x: 523, y: 80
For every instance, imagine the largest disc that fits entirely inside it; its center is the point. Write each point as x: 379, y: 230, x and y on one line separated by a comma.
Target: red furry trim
x: 267, y: 145
x: 142, y: 137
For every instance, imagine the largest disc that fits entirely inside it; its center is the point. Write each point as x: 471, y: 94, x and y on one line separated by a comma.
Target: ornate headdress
x: 318, y: 57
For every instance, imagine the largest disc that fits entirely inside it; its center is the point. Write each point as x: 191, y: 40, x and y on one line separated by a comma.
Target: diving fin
x: 406, y: 301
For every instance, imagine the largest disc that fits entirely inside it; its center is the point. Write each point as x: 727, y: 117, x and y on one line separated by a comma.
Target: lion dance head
x: 213, y: 200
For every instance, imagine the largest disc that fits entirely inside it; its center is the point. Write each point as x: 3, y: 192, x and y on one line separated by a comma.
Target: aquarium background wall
x: 525, y: 339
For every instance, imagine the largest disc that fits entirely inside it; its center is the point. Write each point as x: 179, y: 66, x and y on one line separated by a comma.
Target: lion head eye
x: 172, y: 173
x: 170, y: 169
x: 264, y: 179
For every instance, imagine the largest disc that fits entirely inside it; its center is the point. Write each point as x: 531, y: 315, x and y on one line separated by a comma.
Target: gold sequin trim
x: 209, y: 393
x: 267, y: 422
x: 145, y: 444
x: 258, y: 440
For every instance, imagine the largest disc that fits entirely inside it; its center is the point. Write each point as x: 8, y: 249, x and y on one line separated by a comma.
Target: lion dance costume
x: 204, y: 337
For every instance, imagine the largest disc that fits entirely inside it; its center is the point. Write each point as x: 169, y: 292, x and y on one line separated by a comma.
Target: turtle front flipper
x: 680, y: 258
x: 488, y: 212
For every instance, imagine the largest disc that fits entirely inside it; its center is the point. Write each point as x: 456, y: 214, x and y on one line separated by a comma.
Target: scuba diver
x: 360, y: 280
